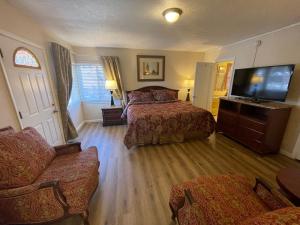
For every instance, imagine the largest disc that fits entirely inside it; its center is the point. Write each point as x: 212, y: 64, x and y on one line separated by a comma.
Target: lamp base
x: 188, y: 96
x: 112, y: 103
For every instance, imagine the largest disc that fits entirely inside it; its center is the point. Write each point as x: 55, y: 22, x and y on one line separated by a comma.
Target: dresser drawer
x: 112, y: 112
x: 226, y: 122
x: 252, y: 124
x: 112, y: 116
x: 118, y: 110
x: 229, y: 117
x: 252, y: 144
x: 250, y: 134
x: 113, y: 122
x: 250, y: 138
x: 226, y: 129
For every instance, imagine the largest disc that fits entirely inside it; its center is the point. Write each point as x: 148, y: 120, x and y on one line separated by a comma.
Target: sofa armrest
x: 68, y: 148
x: 31, y: 189
x: 39, y: 202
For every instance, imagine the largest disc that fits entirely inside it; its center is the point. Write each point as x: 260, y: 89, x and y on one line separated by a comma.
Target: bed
x: 163, y: 120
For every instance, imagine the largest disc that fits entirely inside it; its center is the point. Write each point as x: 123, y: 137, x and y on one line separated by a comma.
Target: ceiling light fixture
x: 172, y: 14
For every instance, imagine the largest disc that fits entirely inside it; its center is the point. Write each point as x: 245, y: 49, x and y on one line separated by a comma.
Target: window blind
x: 91, y: 83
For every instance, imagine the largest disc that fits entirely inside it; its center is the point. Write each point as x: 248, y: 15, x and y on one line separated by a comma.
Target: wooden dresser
x: 112, y: 116
x: 259, y: 126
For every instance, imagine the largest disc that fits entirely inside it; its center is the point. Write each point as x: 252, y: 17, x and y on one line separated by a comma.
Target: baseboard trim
x: 286, y: 153
x: 80, y: 126
x: 93, y: 121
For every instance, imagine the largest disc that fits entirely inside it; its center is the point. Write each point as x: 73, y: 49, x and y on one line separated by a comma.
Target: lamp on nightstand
x: 188, y: 84
x: 111, y: 85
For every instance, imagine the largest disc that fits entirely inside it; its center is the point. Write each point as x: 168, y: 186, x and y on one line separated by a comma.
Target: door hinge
x: 20, y: 114
x: 1, y: 53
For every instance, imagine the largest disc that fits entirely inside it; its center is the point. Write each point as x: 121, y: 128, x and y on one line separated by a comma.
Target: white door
x: 30, y: 88
x: 203, y: 89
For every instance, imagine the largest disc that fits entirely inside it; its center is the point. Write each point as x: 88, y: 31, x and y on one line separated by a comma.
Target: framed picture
x: 150, y: 68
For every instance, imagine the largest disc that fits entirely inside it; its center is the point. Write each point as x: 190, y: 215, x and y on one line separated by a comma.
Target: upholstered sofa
x: 230, y: 200
x: 40, y: 183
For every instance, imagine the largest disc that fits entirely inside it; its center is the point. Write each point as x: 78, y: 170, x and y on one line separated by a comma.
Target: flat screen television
x: 263, y: 83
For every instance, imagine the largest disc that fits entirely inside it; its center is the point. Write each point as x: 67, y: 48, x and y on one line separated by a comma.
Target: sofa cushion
x: 226, y: 199
x: 285, y: 216
x: 77, y: 174
x: 23, y: 157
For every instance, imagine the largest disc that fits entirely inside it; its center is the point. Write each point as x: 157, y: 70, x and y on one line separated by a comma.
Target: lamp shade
x: 111, y: 85
x: 188, y: 83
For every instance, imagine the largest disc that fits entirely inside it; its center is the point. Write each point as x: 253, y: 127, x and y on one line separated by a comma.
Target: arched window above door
x: 23, y: 57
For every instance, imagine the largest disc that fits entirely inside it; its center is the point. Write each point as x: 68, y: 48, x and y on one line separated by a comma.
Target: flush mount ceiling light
x: 172, y: 14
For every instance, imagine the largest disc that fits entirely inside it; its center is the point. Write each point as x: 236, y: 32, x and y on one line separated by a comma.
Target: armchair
x: 229, y: 199
x: 52, y: 184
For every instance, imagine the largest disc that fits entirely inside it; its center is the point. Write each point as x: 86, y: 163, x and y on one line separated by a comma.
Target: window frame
x: 25, y: 66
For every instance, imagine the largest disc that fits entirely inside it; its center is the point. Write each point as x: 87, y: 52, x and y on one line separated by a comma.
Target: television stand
x: 258, y: 101
x: 259, y: 126
x: 254, y: 100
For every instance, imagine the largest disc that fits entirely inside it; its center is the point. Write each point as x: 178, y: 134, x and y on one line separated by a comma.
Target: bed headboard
x: 148, y: 88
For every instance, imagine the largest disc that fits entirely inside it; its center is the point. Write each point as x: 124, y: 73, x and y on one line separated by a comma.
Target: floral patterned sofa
x: 230, y: 200
x: 40, y: 183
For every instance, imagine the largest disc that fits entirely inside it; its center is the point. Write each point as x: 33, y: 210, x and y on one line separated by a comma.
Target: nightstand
x: 112, y: 116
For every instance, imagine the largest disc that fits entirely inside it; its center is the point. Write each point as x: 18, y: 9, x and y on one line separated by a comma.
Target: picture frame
x: 150, y: 68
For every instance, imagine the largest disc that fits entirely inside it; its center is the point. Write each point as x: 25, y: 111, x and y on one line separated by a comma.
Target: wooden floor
x: 135, y: 184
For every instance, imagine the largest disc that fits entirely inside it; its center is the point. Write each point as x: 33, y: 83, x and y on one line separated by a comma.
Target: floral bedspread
x: 147, y: 123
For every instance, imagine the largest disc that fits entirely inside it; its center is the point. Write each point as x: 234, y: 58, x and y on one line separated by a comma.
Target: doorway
x: 221, y: 84
x: 25, y: 71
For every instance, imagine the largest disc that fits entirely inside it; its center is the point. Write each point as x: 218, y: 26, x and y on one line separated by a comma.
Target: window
x: 91, y: 82
x: 23, y: 57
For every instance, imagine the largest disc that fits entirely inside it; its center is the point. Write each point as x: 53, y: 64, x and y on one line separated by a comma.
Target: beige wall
x: 14, y: 22
x: 178, y: 67
x: 280, y: 47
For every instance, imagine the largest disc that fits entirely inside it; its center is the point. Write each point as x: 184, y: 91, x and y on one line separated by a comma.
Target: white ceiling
x: 139, y: 23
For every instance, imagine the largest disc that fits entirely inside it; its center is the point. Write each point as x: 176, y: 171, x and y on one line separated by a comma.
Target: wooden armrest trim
x: 7, y: 129
x: 33, y: 188
x: 57, y: 193
x: 259, y: 180
x: 189, y: 197
x: 68, y: 145
x: 68, y: 148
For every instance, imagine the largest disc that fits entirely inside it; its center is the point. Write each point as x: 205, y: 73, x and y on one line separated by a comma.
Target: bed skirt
x: 167, y: 139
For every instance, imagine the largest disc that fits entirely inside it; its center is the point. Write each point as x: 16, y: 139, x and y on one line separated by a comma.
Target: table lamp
x: 111, y: 85
x: 188, y: 84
